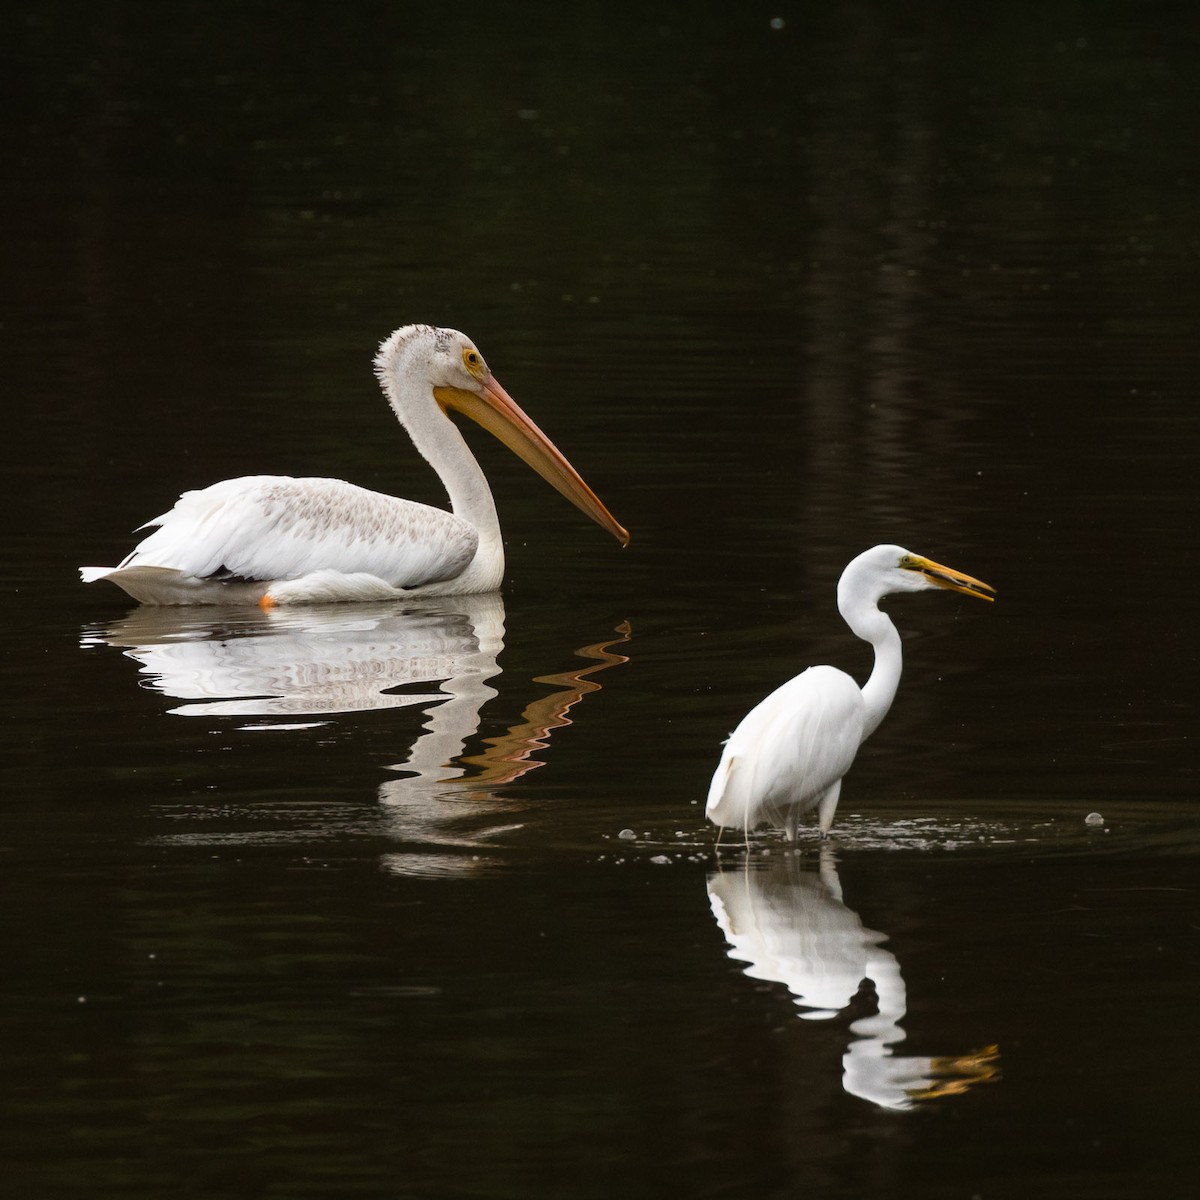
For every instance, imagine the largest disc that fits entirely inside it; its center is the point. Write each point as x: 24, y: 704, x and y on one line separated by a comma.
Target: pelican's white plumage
x: 278, y: 540
x: 789, y: 753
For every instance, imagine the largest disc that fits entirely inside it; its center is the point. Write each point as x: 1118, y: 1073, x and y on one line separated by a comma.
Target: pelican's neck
x: 868, y: 623
x: 439, y: 442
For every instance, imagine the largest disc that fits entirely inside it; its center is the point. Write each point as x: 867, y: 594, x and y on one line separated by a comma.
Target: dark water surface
x: 333, y: 902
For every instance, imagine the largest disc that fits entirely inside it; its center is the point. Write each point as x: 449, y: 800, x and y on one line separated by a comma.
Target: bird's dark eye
x: 473, y: 363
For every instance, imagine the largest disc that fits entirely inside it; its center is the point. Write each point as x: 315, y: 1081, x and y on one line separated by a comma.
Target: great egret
x: 277, y: 540
x: 789, y: 753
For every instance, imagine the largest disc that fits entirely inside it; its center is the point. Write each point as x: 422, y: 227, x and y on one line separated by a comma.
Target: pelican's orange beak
x: 494, y: 409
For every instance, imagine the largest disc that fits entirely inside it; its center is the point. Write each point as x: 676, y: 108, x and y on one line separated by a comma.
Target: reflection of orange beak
x: 494, y: 409
x: 950, y: 579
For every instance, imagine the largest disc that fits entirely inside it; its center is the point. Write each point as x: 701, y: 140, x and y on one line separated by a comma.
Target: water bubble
x: 1093, y: 818
x: 627, y: 835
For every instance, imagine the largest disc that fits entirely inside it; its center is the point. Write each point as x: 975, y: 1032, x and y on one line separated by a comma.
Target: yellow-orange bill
x: 948, y: 578
x: 501, y: 416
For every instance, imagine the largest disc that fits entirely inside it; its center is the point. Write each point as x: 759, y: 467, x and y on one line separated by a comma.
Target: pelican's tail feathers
x: 168, y: 585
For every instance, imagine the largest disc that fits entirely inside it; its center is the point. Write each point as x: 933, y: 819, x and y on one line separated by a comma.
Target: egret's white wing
x: 788, y: 749
x: 267, y: 527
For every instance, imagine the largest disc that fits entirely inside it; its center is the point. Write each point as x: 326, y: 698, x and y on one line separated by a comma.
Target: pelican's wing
x: 788, y: 749
x: 269, y: 527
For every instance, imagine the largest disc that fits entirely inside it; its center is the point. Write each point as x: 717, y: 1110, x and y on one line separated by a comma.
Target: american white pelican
x: 276, y: 540
x: 789, y: 753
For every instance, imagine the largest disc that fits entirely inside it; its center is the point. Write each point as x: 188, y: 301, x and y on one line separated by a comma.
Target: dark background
x: 782, y: 282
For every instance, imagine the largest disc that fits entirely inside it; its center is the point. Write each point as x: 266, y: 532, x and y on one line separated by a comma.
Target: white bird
x: 276, y: 540
x: 789, y: 753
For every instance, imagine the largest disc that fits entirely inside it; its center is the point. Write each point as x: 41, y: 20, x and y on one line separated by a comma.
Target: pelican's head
x: 436, y: 357
x: 423, y: 359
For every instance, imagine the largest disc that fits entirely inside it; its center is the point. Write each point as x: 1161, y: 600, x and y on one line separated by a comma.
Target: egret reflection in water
x: 318, y: 662
x: 790, y: 924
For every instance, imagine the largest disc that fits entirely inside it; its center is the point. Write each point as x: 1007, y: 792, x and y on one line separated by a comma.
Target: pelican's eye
x: 474, y: 363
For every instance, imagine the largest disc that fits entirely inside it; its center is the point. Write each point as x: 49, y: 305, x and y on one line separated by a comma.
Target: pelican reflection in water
x: 309, y: 664
x: 791, y: 926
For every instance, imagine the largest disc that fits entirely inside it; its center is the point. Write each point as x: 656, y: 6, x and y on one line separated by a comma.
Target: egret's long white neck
x: 869, y: 623
x: 436, y: 437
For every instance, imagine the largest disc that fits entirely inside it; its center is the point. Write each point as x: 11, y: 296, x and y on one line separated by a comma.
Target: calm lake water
x: 334, y: 902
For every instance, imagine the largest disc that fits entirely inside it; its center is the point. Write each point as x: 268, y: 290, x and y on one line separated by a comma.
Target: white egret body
x: 789, y: 753
x: 277, y: 540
